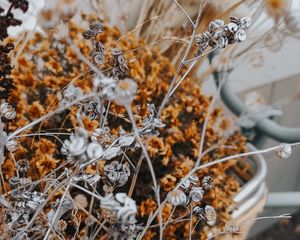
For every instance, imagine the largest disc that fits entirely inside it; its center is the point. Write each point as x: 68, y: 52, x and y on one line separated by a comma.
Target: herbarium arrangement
x: 104, y: 137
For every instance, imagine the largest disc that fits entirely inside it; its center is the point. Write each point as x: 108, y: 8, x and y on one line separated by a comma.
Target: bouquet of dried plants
x: 105, y: 133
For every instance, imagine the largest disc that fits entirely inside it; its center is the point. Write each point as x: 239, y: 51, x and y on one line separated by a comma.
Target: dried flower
x: 61, y: 225
x: 124, y: 206
x: 177, y: 197
x: 207, y: 183
x: 81, y: 200
x: 77, y: 144
x: 210, y: 215
x: 220, y: 35
x: 94, y: 150
x: 284, y: 151
x: 117, y: 173
x: 12, y: 145
x: 198, y: 211
x: 96, y: 27
x: 231, y: 227
x: 125, y: 92
x: 196, y: 194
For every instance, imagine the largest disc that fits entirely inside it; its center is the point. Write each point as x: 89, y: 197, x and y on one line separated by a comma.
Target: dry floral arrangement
x: 106, y: 135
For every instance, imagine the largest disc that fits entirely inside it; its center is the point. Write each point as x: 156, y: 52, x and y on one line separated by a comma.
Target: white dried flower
x: 123, y: 178
x: 232, y: 27
x: 7, y: 111
x: 128, y: 209
x: 12, y: 145
x: 77, y: 144
x: 245, y: 22
x: 284, y: 151
x: 231, y: 227
x: 71, y: 94
x: 81, y: 200
x: 109, y: 202
x: 94, y: 150
x: 193, y: 179
x: 113, y: 176
x: 198, y: 211
x: 207, y: 183
x: 177, y: 197
x: 124, y: 206
x: 196, y: 194
x: 210, y: 215
x: 125, y: 91
x: 186, y: 184
x: 240, y: 36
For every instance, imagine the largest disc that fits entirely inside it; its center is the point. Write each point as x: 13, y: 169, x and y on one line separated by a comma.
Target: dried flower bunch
x: 86, y: 154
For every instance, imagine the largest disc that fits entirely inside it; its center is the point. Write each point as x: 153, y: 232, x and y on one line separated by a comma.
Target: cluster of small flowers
x: 80, y: 148
x: 69, y: 95
x: 92, y: 108
x: 123, y: 208
x: 190, y: 191
x: 22, y: 204
x: 208, y: 214
x: 97, y: 53
x: 117, y: 173
x: 120, y: 68
x: 220, y: 35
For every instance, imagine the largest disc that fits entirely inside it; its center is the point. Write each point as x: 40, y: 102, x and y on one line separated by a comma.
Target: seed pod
x: 245, y: 22
x: 232, y: 27
x: 240, y: 36
x: 176, y: 197
x: 196, y: 194
x: 88, y: 34
x: 96, y: 27
x: 116, y: 52
x: 235, y: 20
x: 210, y: 215
x: 12, y: 145
x: 100, y: 47
x: 98, y: 57
x: 14, y: 182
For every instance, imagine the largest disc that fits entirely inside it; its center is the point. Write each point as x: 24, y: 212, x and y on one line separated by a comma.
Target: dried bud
x: 245, y: 22
x: 210, y: 215
x: 240, y: 36
x: 231, y: 227
x: 88, y: 34
x: 12, y: 145
x: 177, y: 197
x: 94, y: 150
x: 232, y: 27
x: 96, y: 27
x: 98, y: 57
x: 196, y: 194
